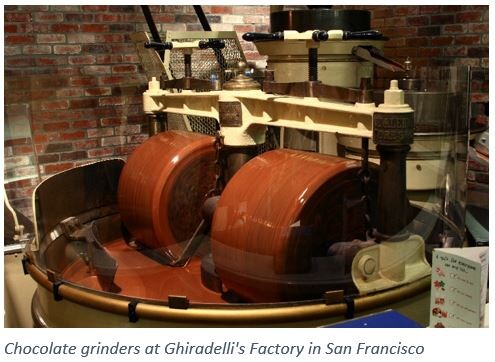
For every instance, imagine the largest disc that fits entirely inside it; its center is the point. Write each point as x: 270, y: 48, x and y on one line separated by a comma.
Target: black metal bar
x: 206, y: 27
x: 131, y: 311
x: 313, y: 64
x: 153, y: 29
x: 202, y: 17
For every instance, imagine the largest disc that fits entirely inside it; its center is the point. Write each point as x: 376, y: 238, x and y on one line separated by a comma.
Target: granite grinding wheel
x: 278, y: 216
x: 163, y: 187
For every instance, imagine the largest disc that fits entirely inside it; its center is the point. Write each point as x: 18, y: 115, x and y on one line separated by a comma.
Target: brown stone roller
x: 277, y: 218
x: 163, y: 186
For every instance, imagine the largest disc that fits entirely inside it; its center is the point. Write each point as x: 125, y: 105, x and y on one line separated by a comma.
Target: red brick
x: 94, y: 8
x: 100, y: 152
x: 53, y: 105
x: 454, y: 28
x: 17, y: 17
x: 113, y: 121
x: 128, y: 129
x: 67, y: 49
x: 33, y: 27
x: 20, y: 62
x: 68, y: 71
x: 469, y: 16
x: 72, y: 135
x: 418, y: 20
x: 137, y: 138
x: 124, y: 69
x: 96, y: 69
x: 111, y: 101
x: 40, y: 138
x: 429, y: 9
x: 55, y: 126
x: 50, y: 38
x: 10, y: 28
x: 455, y: 51
x: 109, y: 38
x: 407, y: 52
x: 477, y: 52
x: 451, y: 8
x: 82, y: 145
x: 405, y: 31
x: 23, y: 150
x: 49, y: 17
x: 417, y: 42
x: 58, y: 147
x: 428, y: 31
x: 82, y: 59
x: 81, y: 38
x: 51, y: 61
x: 42, y: 94
x: 113, y: 80
x: 79, y: 18
x: 17, y: 141
x: 73, y: 156
x: 56, y: 167
x: 406, y: 10
x: 429, y: 52
x: 12, y: 50
x: 478, y: 28
x: 100, y: 132
x: 65, y: 28
x: 382, y: 12
x: 99, y: 91
x: 83, y: 103
x: 94, y: 28
x: 69, y: 92
x: 49, y: 158
x: 442, y: 40
x: 85, y: 124
x: 112, y: 18
x: 131, y: 59
x: 107, y: 59
x: 82, y: 81
x: 37, y: 49
x: 97, y: 48
x: 113, y: 141
x: 230, y: 10
x: 442, y: 19
x: 480, y: 98
x: 123, y: 48
x: 255, y: 19
x: 19, y: 39
x: 468, y: 39
x: 396, y: 42
x: 395, y: 21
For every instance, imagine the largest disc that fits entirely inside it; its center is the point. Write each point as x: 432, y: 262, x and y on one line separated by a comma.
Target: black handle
x: 211, y: 44
x: 366, y: 34
x: 263, y: 36
x: 158, y: 46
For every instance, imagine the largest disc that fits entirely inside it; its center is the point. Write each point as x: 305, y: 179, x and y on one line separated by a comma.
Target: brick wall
x: 72, y: 74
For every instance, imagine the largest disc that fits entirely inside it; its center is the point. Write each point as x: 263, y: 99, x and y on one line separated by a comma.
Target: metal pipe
x: 152, y: 27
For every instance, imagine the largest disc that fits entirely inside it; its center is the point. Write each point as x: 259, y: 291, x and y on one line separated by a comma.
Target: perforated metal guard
x: 204, y: 63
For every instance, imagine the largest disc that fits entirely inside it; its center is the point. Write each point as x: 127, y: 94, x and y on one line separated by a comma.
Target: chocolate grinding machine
x: 224, y: 229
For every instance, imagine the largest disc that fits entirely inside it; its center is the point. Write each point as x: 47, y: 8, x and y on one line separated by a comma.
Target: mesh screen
x: 207, y: 61
x: 204, y: 63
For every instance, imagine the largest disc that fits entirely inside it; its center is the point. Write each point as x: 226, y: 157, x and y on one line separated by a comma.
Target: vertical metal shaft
x: 392, y: 199
x: 313, y: 64
x: 152, y: 27
x: 187, y: 66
